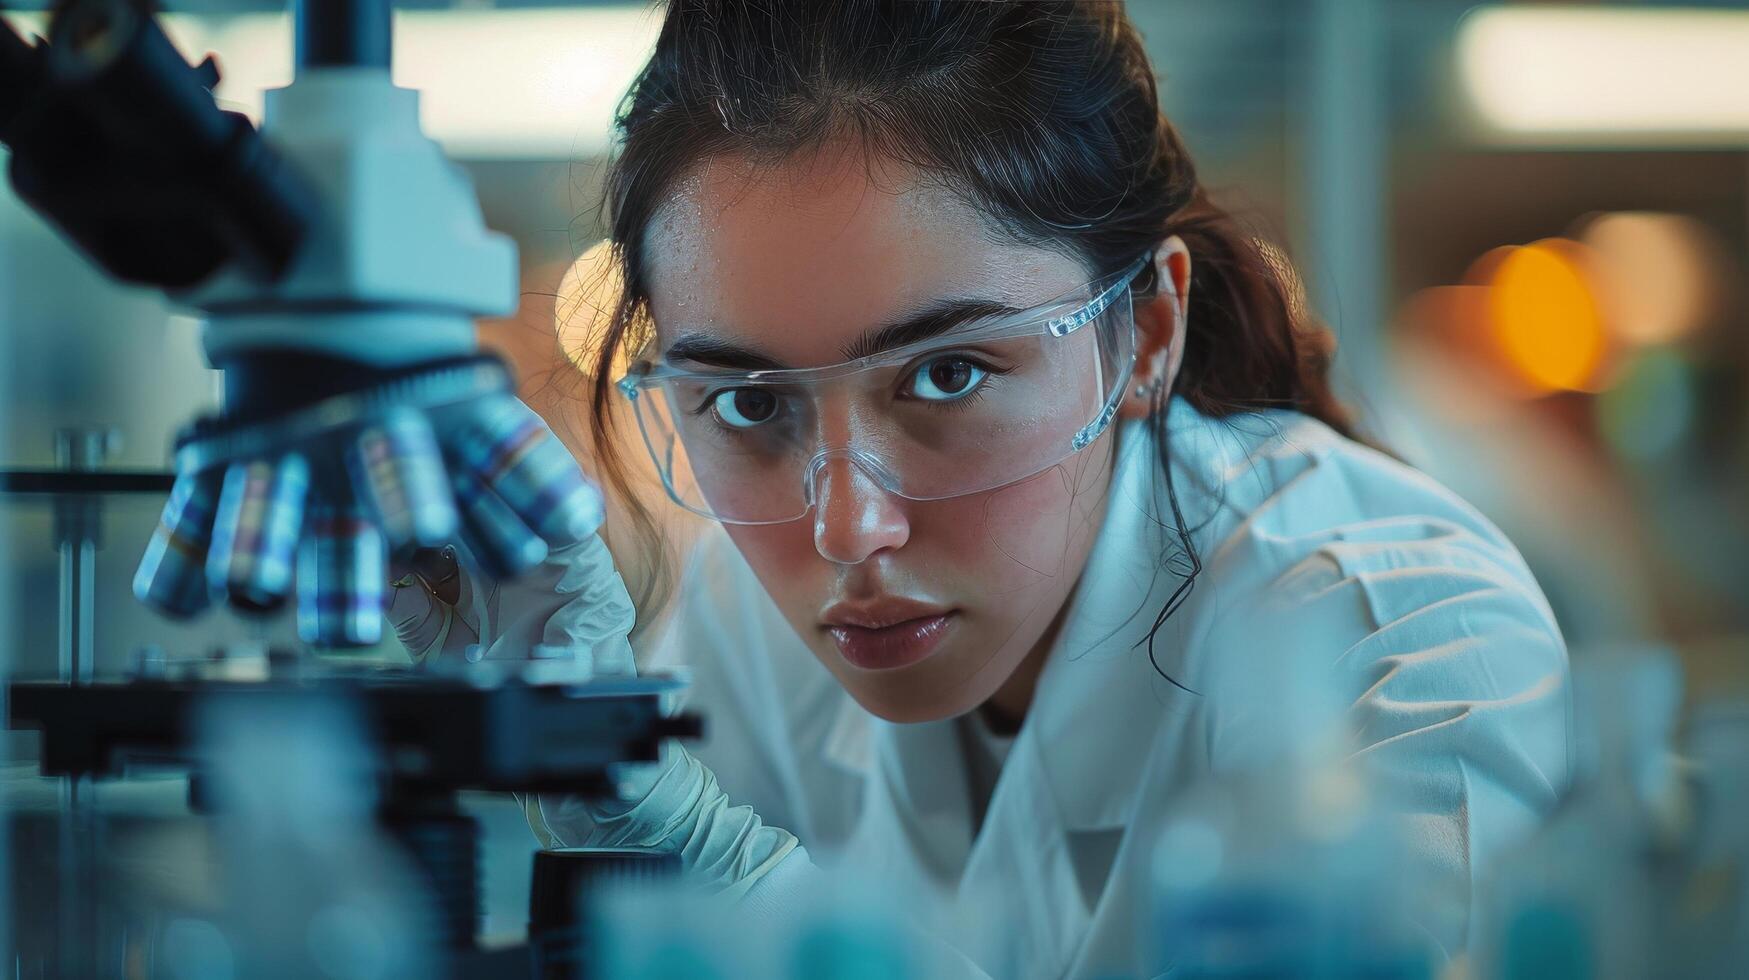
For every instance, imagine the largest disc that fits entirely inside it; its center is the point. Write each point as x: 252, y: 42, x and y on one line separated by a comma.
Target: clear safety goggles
x: 982, y: 406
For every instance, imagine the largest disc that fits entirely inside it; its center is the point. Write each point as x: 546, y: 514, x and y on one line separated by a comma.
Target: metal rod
x: 84, y: 616
x: 77, y: 526
x: 67, y: 636
x: 78, y: 588
x: 49, y: 482
x: 79, y: 450
x: 77, y: 946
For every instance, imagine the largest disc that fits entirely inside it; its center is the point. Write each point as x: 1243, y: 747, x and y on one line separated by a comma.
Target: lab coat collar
x: 1099, y: 700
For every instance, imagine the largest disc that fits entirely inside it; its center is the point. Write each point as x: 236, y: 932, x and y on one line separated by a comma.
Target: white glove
x: 678, y: 808
x: 576, y: 600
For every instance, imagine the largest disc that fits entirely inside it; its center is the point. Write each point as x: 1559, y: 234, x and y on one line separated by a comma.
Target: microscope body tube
x: 348, y: 296
x: 397, y: 263
x: 395, y: 268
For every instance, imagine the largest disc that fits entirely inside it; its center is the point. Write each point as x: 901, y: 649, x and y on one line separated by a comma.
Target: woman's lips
x: 888, y: 647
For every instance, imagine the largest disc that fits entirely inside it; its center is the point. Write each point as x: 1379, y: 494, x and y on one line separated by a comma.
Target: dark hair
x: 1044, y: 116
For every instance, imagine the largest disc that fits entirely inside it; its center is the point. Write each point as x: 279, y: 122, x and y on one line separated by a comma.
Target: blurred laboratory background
x: 1527, y: 224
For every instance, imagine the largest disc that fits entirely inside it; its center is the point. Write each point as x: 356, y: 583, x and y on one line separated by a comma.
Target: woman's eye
x: 744, y: 408
x: 946, y: 379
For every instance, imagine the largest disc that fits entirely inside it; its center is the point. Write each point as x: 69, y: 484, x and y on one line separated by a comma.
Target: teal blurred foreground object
x: 847, y: 950
x: 1545, y: 942
x: 1652, y: 410
x: 1598, y: 892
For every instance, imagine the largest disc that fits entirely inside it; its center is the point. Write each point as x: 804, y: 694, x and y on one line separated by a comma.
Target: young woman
x: 1031, y: 485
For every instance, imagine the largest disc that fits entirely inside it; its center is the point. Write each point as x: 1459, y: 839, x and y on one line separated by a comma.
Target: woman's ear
x: 1160, y: 329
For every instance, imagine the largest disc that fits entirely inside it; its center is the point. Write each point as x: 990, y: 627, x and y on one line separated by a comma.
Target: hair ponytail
x: 1251, y: 342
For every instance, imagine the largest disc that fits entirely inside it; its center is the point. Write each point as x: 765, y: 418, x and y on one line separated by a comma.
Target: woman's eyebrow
x: 701, y: 348
x: 932, y: 321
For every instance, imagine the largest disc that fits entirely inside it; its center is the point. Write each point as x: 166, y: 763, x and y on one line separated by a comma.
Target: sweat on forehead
x: 798, y: 258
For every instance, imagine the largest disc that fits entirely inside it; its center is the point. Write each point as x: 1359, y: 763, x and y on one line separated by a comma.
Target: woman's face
x: 921, y: 609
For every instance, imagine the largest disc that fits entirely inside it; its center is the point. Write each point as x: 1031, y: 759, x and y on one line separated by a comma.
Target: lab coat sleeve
x: 1454, y: 675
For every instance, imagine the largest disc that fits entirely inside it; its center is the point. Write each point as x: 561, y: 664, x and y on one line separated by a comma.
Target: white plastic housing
x: 399, y: 262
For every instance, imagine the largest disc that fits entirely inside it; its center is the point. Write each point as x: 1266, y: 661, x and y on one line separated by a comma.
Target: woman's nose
x: 854, y: 518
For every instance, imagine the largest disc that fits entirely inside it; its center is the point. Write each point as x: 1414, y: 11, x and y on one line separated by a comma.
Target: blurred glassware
x: 1590, y: 894
x: 294, y: 789
x: 1288, y: 865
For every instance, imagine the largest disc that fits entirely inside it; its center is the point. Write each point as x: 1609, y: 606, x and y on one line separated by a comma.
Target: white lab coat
x: 1418, y: 606
x: 1315, y: 550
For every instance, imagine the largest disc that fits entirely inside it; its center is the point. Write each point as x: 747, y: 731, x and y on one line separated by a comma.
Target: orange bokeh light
x: 1545, y: 317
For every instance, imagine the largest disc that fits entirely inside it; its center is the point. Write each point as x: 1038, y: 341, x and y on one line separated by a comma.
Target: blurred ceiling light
x: 1661, y: 273
x: 535, y: 83
x: 1544, y: 316
x: 1608, y: 76
x: 525, y: 82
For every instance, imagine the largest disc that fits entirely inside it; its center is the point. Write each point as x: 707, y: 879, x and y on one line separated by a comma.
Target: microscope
x: 338, y: 261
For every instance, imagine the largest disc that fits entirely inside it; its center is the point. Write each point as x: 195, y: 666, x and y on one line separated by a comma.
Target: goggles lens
x: 972, y: 410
